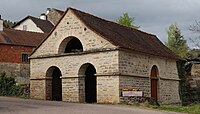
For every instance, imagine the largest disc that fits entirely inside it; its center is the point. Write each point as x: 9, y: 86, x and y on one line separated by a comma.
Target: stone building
x: 88, y: 59
x: 53, y: 15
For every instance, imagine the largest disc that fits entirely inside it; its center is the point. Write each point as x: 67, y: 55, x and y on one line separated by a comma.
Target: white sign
x: 131, y: 93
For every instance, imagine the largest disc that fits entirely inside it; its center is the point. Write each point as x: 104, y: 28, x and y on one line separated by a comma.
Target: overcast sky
x: 154, y: 16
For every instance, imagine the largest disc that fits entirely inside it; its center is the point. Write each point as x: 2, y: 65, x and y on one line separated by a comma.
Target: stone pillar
x: 81, y: 85
x: 107, y: 89
x: 37, y: 88
x: 48, y: 87
x: 70, y: 89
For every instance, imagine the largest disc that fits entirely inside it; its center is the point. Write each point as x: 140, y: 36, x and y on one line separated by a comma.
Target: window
x: 24, y: 58
x: 24, y: 27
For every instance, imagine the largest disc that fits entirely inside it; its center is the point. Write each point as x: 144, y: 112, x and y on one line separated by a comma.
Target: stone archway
x: 54, y: 84
x: 90, y: 81
x: 154, y: 82
x: 70, y: 44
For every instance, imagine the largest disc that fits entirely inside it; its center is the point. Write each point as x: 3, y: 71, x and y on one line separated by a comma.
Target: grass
x: 192, y: 109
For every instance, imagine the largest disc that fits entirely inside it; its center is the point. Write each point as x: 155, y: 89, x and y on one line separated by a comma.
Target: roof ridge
x: 119, y: 35
x: 24, y: 30
x: 112, y: 22
x: 58, y: 9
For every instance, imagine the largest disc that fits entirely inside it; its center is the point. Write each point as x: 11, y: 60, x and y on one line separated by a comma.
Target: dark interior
x: 74, y: 45
x: 56, y: 85
x: 90, y: 85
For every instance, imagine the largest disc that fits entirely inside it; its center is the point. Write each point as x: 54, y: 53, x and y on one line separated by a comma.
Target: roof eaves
x: 50, y: 31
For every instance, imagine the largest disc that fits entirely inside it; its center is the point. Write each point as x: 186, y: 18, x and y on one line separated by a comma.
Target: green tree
x: 176, y: 41
x: 127, y: 21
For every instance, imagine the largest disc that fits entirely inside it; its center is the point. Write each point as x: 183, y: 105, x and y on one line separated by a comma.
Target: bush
x: 9, y: 87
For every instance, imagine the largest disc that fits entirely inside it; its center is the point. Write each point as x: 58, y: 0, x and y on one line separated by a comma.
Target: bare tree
x: 196, y: 29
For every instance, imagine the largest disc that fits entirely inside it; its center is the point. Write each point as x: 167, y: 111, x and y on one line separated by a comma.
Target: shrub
x: 9, y: 87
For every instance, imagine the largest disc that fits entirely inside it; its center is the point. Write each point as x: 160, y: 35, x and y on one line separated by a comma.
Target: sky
x: 153, y: 16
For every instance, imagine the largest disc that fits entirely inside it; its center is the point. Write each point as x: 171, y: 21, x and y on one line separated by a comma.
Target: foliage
x: 191, y: 109
x: 193, y: 54
x: 9, y: 87
x: 127, y: 21
x: 176, y: 41
x: 182, y: 83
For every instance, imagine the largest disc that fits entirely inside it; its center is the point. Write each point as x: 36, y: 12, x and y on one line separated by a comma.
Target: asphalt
x: 27, y: 106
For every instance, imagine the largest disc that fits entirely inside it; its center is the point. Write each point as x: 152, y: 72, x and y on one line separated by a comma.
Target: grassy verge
x: 192, y: 109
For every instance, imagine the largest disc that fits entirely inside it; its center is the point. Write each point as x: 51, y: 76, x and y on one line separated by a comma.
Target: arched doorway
x: 89, y: 71
x: 70, y: 45
x: 154, y: 82
x: 54, y: 86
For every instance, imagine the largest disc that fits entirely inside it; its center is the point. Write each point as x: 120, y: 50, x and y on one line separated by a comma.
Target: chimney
x: 43, y: 16
x: 48, y: 10
x: 1, y: 24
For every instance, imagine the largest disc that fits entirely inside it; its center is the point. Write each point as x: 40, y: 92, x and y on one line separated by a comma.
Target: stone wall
x: 136, y: 69
x: 114, y: 69
x: 89, y: 39
x: 141, y: 83
x: 105, y: 63
x: 20, y: 72
x: 108, y: 89
x: 191, y: 85
x: 53, y: 16
x: 194, y: 77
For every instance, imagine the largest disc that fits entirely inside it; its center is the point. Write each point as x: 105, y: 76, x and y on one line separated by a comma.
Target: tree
x: 127, y: 21
x: 196, y: 29
x: 176, y: 41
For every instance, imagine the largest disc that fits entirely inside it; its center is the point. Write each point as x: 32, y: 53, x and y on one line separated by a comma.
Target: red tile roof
x: 19, y: 37
x: 122, y: 36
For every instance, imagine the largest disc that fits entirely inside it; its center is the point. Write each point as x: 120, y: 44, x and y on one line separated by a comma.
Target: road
x: 27, y: 106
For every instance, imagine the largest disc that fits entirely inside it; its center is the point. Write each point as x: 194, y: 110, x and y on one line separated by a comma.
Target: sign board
x: 131, y: 93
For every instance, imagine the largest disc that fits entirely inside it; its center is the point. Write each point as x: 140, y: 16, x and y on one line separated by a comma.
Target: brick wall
x: 11, y: 62
x: 13, y: 53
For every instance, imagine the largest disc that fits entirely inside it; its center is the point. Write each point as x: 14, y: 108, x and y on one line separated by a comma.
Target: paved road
x: 27, y: 106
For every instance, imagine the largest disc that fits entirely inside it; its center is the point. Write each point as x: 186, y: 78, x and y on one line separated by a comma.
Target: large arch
x: 54, y: 84
x: 90, y: 82
x: 154, y: 82
x: 70, y: 44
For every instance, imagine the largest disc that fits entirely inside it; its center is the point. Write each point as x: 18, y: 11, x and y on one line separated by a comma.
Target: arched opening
x: 70, y: 45
x: 54, y: 84
x: 154, y: 82
x: 89, y: 71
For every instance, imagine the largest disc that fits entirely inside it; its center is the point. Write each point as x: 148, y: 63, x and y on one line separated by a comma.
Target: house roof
x: 59, y: 11
x: 19, y: 37
x: 44, y: 25
x: 122, y: 36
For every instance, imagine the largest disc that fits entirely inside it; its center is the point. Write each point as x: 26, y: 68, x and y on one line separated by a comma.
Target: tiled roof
x: 19, y: 37
x: 44, y: 25
x: 59, y: 11
x: 125, y: 37
x: 122, y: 36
